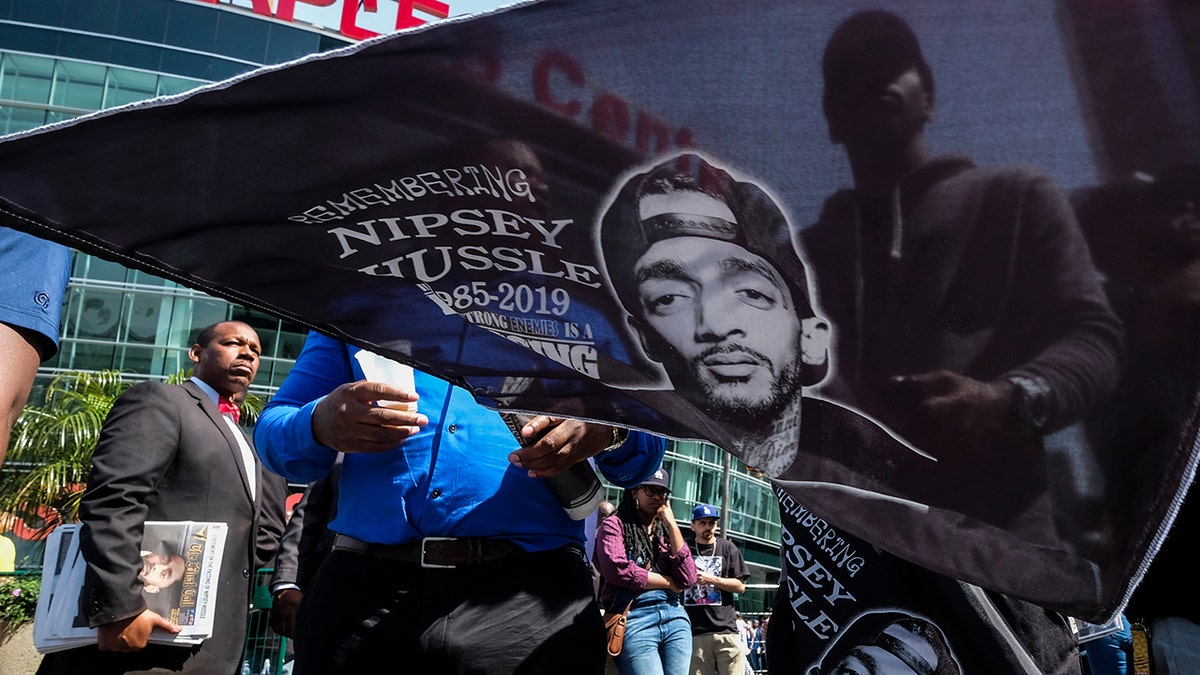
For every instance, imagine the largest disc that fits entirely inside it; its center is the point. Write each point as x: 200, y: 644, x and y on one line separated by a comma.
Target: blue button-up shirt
x: 451, y: 479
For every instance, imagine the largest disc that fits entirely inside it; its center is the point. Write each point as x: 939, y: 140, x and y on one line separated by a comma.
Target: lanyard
x: 1141, y: 649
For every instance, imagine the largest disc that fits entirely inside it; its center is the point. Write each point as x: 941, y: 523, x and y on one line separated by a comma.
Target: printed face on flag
x: 723, y: 325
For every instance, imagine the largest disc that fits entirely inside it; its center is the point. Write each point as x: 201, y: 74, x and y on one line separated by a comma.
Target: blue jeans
x: 658, y: 636
x: 1175, y: 643
x: 1111, y: 654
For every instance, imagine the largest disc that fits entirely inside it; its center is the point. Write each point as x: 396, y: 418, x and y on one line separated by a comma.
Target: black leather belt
x: 435, y: 552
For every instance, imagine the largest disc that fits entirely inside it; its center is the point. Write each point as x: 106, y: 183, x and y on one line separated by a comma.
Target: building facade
x: 63, y: 58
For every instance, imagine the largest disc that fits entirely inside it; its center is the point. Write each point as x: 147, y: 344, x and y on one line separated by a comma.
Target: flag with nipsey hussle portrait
x: 511, y: 202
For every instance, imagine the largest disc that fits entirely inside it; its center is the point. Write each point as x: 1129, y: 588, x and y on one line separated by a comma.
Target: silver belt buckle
x: 425, y: 541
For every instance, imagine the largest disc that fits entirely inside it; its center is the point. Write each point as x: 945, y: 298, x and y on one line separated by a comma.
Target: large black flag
x: 548, y: 205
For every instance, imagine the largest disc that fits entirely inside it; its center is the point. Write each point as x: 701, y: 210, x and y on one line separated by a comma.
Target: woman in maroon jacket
x: 642, y: 557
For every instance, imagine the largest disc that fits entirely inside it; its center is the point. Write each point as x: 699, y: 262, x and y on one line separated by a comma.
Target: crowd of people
x: 753, y: 641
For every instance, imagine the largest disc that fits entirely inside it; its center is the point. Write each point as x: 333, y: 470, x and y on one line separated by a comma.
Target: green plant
x: 18, y: 599
x: 50, y: 449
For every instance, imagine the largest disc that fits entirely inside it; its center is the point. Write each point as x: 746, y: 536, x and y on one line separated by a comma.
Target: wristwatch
x: 1031, y: 401
x: 620, y: 435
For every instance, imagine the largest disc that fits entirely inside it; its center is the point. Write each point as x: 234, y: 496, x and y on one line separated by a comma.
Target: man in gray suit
x: 175, y: 453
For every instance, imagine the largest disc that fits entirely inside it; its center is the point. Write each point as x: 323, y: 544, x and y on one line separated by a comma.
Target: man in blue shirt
x: 33, y: 277
x: 451, y: 553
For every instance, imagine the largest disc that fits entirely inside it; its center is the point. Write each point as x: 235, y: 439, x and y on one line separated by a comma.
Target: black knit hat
x: 871, y: 46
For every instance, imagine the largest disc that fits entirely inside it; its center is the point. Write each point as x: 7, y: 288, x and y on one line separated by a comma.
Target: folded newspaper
x: 181, y: 561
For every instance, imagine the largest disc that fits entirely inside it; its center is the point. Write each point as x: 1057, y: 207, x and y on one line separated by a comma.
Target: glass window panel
x: 328, y: 43
x: 291, y: 341
x: 136, y: 55
x: 126, y: 86
x: 91, y: 267
x: 285, y: 43
x: 147, y: 279
x: 192, y: 26
x: 242, y: 37
x: 85, y: 47
x: 28, y: 39
x: 175, y: 360
x: 72, y: 306
x: 710, y: 488
x: 59, y: 116
x: 279, y: 372
x: 222, y: 69
x: 5, y: 8
x: 26, y: 78
x: 149, y: 318
x: 13, y: 120
x: 262, y: 378
x: 186, y: 64
x: 78, y: 85
x: 95, y: 314
x: 193, y: 314
x: 48, y: 12
x: 138, y: 359
x: 88, y: 356
x: 168, y: 85
x: 97, y: 16
x: 143, y: 19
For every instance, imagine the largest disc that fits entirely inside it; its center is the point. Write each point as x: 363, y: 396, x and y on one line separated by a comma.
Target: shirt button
x: 245, y: 574
x: 437, y: 492
x: 453, y: 428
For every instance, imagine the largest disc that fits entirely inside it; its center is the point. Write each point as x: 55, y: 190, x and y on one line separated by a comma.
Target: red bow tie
x: 226, y: 407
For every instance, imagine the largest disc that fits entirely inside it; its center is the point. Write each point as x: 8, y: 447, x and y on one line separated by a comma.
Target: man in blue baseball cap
x: 716, y: 644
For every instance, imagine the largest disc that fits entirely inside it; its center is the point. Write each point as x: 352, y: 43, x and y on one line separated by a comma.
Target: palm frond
x: 51, y: 444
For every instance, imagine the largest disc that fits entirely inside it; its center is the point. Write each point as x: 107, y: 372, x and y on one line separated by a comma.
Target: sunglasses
x: 661, y: 492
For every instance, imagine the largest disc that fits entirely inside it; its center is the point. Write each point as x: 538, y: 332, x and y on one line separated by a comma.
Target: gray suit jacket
x: 165, y: 453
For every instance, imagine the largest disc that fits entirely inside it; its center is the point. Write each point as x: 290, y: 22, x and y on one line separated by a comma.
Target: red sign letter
x: 406, y: 19
x: 350, y: 13
x: 287, y: 8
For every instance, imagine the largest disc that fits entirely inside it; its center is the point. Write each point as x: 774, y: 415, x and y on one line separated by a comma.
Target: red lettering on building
x: 287, y: 8
x: 350, y: 14
x: 405, y: 16
x: 406, y: 19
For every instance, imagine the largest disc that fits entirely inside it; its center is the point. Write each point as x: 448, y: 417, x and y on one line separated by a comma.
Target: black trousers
x: 534, y: 613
